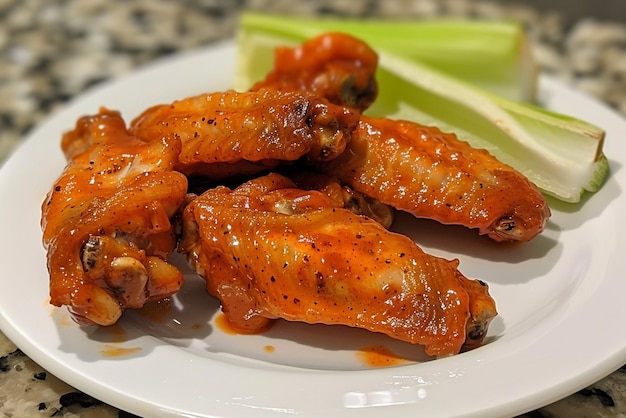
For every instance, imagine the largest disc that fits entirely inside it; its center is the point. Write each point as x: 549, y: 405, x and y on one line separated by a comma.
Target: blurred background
x: 575, y: 9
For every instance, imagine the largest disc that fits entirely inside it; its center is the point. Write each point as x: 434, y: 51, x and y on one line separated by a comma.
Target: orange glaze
x: 269, y: 348
x: 411, y: 167
x: 378, y: 356
x: 269, y: 250
x: 336, y: 66
x: 230, y: 134
x: 431, y: 174
x: 106, y: 220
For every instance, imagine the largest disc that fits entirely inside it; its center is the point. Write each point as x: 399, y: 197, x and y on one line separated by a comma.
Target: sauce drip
x: 115, y: 351
x: 379, y: 356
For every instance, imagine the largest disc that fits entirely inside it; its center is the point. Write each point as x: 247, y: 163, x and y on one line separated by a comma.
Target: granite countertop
x: 51, y: 51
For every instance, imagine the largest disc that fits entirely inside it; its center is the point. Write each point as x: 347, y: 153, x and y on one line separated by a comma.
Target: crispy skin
x: 269, y: 250
x: 230, y: 134
x: 333, y: 65
x: 106, y: 221
x: 434, y: 175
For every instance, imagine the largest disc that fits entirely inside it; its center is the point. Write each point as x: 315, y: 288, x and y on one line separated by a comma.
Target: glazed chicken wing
x: 433, y: 174
x: 336, y: 66
x: 234, y: 134
x: 408, y: 166
x: 270, y: 250
x: 106, y: 221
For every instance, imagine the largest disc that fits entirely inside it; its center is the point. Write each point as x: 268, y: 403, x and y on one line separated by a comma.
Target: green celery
x: 561, y: 155
x: 493, y: 55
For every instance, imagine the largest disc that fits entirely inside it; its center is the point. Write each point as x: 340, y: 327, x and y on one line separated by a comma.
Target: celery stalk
x: 493, y: 55
x: 561, y: 155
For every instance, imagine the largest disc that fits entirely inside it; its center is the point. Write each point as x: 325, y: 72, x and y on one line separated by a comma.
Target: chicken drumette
x: 231, y: 134
x: 270, y: 250
x: 432, y: 174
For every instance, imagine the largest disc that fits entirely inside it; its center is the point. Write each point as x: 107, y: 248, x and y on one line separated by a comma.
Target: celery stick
x: 493, y: 55
x: 561, y: 155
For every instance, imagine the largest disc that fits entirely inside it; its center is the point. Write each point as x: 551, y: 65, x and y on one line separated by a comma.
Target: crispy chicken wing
x: 234, y: 134
x: 106, y: 221
x: 433, y: 174
x: 333, y: 65
x: 269, y: 250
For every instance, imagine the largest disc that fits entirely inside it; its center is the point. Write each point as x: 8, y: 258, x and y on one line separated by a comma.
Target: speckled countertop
x: 52, y: 50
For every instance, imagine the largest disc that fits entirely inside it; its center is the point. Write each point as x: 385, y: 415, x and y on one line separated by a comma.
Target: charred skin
x: 269, y: 250
x: 432, y: 174
x: 231, y: 134
x: 106, y: 221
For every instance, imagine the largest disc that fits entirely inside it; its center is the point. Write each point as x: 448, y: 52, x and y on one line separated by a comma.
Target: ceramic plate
x: 560, y: 299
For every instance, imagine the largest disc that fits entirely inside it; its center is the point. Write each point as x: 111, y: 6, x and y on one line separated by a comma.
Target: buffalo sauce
x: 378, y: 356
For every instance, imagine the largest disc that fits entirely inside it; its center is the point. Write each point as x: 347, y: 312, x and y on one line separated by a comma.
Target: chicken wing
x: 230, y: 134
x: 269, y: 250
x: 333, y: 65
x: 433, y: 174
x: 408, y: 166
x: 106, y: 221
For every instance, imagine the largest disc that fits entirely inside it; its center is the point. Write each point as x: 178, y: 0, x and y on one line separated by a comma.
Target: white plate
x: 560, y: 298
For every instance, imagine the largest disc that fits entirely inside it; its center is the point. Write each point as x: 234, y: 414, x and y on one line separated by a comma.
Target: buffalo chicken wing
x: 301, y: 245
x: 232, y: 134
x: 270, y: 250
x: 106, y: 221
x: 411, y: 167
x: 432, y: 174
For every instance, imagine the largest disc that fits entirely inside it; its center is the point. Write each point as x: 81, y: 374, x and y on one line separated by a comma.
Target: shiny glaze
x: 333, y: 65
x: 405, y: 165
x: 106, y: 220
x: 231, y: 134
x: 432, y: 174
x: 268, y: 250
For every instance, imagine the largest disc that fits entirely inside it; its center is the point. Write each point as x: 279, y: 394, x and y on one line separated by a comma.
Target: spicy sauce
x: 379, y: 356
